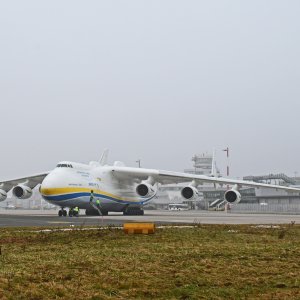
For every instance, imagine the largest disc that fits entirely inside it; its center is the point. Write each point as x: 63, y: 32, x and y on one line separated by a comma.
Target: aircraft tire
x: 60, y: 213
x: 64, y: 212
x: 71, y: 213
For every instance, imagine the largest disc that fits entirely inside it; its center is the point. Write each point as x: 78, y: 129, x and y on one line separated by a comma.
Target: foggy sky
x: 155, y: 80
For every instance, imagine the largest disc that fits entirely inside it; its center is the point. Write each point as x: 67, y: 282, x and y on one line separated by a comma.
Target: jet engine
x: 232, y: 196
x: 22, y: 191
x: 189, y: 193
x: 145, y: 189
x: 3, y: 195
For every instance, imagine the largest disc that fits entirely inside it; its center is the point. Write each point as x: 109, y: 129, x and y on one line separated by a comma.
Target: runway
x: 25, y: 218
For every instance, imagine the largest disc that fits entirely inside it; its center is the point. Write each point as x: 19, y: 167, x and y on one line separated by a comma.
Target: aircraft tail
x: 104, y: 157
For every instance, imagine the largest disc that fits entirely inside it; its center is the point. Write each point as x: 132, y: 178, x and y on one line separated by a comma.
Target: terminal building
x: 270, y: 200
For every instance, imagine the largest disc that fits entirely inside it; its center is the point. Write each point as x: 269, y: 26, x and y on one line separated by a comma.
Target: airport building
x: 270, y: 200
x: 202, y: 165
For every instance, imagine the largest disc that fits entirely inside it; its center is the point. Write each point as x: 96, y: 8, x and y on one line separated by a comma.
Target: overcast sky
x: 158, y: 80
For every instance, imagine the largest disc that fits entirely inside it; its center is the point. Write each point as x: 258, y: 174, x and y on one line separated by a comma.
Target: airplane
x: 119, y: 188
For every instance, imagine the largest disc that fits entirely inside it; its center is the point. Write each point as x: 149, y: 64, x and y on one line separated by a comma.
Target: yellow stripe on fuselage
x: 64, y: 190
x: 70, y: 190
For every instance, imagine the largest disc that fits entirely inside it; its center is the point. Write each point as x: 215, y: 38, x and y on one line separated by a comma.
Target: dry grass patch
x: 204, y: 262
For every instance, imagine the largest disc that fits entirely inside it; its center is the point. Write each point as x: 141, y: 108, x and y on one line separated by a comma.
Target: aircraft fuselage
x: 71, y: 185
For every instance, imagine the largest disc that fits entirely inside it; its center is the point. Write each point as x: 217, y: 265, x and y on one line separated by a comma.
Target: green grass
x: 204, y: 262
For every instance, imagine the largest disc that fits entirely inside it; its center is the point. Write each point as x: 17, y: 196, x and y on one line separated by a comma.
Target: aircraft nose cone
x: 48, y: 182
x: 51, y: 182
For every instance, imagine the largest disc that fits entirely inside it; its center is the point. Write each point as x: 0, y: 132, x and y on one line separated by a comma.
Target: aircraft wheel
x: 60, y: 213
x: 64, y: 213
x: 71, y: 213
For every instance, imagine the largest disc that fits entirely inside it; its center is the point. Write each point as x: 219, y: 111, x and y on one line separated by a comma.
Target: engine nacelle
x: 22, y: 191
x: 3, y: 195
x: 145, y: 189
x: 232, y: 196
x: 189, y: 193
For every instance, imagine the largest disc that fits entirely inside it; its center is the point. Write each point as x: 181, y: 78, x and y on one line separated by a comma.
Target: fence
x: 267, y: 209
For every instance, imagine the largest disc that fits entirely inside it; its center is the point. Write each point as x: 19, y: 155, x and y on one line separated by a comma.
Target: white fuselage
x: 71, y: 185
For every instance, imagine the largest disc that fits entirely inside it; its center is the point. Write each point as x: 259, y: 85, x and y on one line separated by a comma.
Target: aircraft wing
x: 169, y: 177
x: 31, y: 181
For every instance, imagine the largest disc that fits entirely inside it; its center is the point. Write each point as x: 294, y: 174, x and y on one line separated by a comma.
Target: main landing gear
x: 62, y: 213
x: 72, y: 212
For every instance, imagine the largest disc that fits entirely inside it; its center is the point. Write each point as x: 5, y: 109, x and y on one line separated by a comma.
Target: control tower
x: 203, y: 164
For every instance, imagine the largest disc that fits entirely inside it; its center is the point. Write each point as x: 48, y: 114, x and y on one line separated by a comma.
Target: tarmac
x: 49, y: 218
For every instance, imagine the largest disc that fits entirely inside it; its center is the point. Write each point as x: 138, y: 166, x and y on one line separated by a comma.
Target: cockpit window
x: 64, y: 166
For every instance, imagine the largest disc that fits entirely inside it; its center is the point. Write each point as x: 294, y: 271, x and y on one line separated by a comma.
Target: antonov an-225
x: 119, y: 188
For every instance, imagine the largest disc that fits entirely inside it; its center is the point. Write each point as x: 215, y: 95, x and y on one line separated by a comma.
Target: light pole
x: 139, y: 162
x: 227, y: 154
x: 227, y: 171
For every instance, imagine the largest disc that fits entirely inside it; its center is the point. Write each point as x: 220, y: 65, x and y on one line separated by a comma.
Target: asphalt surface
x: 24, y: 218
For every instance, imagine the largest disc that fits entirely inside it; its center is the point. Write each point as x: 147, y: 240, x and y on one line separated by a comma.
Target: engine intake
x: 189, y: 193
x: 144, y: 190
x: 3, y: 195
x: 232, y: 196
x: 22, y: 191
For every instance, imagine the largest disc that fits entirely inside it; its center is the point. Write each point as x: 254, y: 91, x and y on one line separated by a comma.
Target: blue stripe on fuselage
x: 79, y: 195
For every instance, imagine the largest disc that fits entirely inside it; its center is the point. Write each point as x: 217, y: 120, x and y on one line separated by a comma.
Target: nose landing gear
x: 62, y: 213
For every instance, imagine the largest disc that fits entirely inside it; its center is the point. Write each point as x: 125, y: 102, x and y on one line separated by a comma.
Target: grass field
x: 203, y: 262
